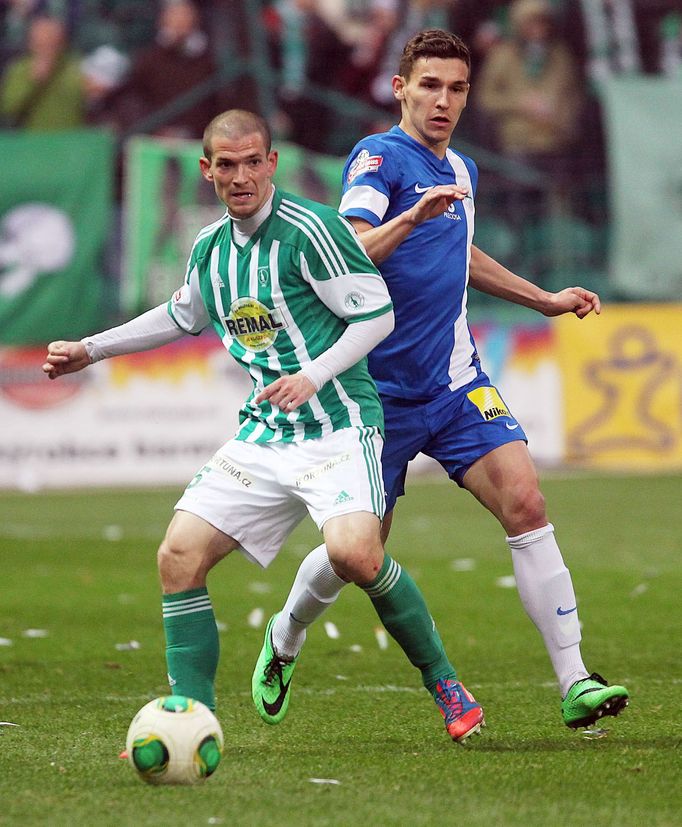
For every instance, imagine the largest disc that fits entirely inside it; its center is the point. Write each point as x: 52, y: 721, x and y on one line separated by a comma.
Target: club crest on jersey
x: 354, y: 300
x: 252, y: 324
x: 488, y: 402
x: 364, y: 163
x: 263, y: 276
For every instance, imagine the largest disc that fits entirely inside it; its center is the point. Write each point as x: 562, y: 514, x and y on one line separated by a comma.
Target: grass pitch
x: 79, y: 580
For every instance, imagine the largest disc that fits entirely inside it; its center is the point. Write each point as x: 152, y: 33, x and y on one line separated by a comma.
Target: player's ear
x: 205, y: 167
x: 398, y: 84
x: 273, y: 157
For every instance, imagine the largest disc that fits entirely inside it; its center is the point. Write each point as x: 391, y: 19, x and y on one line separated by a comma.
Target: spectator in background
x: 104, y: 71
x: 529, y: 88
x: 178, y: 61
x: 16, y: 17
x: 42, y: 90
x: 308, y: 50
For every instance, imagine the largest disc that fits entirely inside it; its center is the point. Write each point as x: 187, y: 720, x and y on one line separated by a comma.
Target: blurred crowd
x: 166, y: 66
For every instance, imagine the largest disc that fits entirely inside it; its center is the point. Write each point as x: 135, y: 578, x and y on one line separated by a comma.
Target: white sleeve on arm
x: 152, y: 329
x: 355, y: 342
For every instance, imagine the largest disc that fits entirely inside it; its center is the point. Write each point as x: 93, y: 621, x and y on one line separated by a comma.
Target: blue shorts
x: 456, y: 429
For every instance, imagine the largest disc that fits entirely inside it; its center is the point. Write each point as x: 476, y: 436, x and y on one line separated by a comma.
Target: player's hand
x: 288, y: 392
x: 435, y: 202
x: 573, y: 300
x: 65, y: 357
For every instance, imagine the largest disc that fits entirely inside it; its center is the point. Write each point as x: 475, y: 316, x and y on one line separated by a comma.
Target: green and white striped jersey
x: 279, y: 302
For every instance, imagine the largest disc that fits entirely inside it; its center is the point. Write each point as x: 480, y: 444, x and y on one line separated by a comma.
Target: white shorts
x: 258, y: 493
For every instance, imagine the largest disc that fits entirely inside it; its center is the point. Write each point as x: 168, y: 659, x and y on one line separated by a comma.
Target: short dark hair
x: 432, y: 43
x: 236, y: 123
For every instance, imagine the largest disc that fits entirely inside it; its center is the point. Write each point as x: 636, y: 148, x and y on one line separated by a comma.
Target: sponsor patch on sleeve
x: 364, y: 163
x: 488, y: 402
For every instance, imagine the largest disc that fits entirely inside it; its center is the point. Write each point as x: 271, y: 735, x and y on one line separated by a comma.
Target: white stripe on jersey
x: 300, y: 349
x: 273, y: 359
x: 207, y: 230
x: 460, y: 369
x: 365, y: 198
x: 299, y: 221
x: 316, y: 223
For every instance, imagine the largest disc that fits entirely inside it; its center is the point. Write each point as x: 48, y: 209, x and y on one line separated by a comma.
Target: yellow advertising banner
x: 622, y: 381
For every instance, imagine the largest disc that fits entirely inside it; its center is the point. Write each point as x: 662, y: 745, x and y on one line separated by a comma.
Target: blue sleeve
x: 368, y: 179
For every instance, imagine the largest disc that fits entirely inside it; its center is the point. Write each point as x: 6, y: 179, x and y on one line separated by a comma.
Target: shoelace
x: 274, y: 670
x: 449, y: 699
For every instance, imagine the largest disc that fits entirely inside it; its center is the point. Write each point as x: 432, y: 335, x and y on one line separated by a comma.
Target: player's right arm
x: 145, y: 332
x: 184, y: 313
x: 381, y: 241
x: 370, y: 177
x: 65, y: 357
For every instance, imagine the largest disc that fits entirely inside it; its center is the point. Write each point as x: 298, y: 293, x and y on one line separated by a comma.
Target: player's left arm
x: 489, y: 276
x: 354, y: 291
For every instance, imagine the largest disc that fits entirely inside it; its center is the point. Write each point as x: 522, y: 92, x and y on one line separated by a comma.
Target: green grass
x: 81, y: 565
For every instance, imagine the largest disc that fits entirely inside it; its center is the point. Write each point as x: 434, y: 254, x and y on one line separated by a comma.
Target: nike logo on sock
x: 274, y: 708
x: 560, y: 611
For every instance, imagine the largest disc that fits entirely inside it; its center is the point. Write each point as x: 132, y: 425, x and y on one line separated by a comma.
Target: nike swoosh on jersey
x: 419, y: 189
x: 511, y: 427
x: 274, y: 708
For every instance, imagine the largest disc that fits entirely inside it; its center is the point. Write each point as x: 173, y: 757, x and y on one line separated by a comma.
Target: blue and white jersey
x: 431, y: 348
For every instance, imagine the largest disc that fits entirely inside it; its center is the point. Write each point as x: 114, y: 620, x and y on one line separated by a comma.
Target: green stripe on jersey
x: 261, y: 302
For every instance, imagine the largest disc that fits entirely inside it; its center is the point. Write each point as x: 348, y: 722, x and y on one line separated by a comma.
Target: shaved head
x: 233, y: 125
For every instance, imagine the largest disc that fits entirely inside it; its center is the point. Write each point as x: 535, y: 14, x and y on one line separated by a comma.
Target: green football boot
x: 591, y: 698
x: 271, y: 680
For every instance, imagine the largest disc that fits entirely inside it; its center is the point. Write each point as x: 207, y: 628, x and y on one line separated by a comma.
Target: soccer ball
x: 174, y: 740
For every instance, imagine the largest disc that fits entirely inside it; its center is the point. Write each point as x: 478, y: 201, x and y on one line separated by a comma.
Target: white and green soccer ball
x: 174, y: 740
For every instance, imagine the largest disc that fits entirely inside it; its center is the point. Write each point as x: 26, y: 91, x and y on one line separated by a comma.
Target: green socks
x: 404, y: 613
x: 192, y: 647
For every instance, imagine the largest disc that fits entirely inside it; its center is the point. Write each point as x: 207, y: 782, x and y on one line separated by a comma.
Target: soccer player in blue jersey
x: 411, y: 199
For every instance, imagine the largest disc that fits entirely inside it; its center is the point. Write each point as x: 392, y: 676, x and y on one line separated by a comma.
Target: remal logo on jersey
x: 253, y: 325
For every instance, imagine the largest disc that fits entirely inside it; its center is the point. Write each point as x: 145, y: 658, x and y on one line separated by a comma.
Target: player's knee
x: 525, y: 509
x: 180, y: 565
x: 358, y: 560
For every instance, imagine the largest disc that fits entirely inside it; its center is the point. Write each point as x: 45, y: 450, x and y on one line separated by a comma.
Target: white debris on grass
x: 331, y: 630
x: 256, y: 618
x: 355, y: 647
x: 220, y: 626
x: 258, y: 587
x: 113, y: 533
x: 594, y: 734
x: 35, y: 633
x: 463, y: 564
x: 506, y: 582
x: 381, y: 637
x: 324, y: 781
x: 639, y: 589
x: 5, y: 641
x: 129, y: 646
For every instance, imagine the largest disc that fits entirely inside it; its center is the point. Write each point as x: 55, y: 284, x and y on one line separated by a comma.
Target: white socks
x: 546, y: 591
x: 315, y: 588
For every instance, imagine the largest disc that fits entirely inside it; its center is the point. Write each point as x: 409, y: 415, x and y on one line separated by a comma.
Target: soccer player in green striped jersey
x: 290, y: 291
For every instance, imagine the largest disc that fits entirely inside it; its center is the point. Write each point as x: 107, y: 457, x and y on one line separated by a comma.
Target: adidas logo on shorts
x: 344, y: 497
